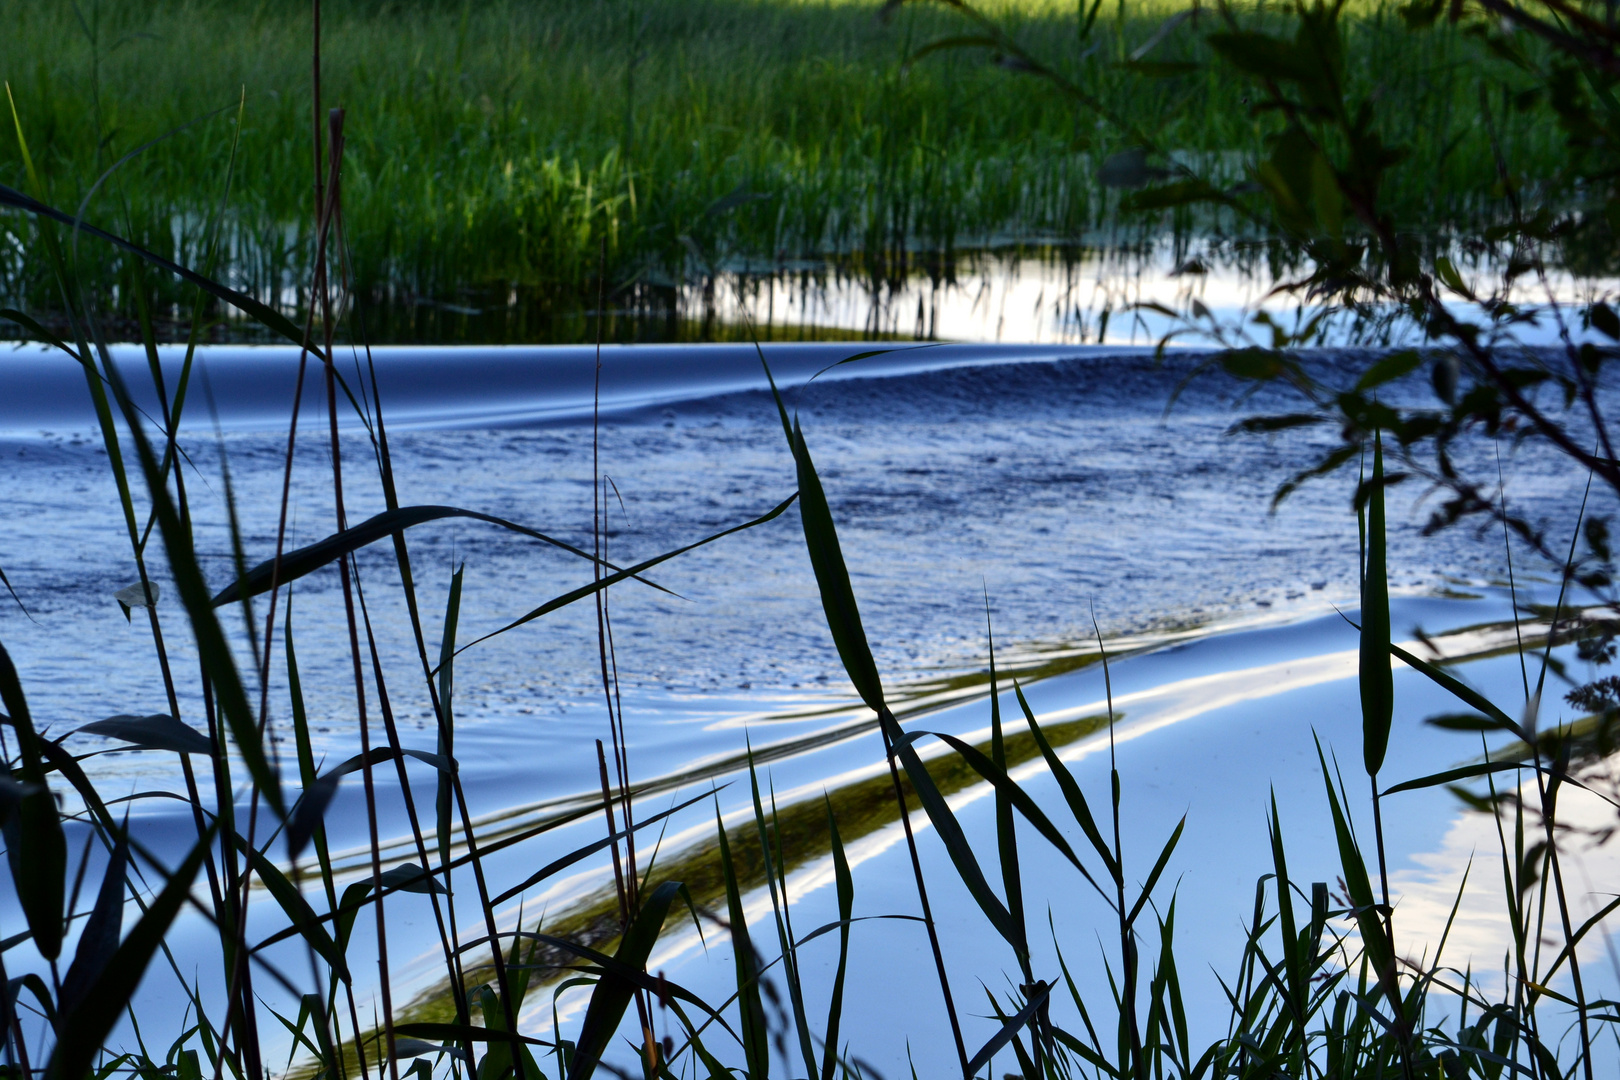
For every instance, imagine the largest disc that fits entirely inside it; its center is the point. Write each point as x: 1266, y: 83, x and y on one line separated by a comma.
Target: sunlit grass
x: 512, y: 145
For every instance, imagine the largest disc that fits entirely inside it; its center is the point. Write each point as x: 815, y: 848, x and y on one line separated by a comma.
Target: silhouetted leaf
x: 159, y: 731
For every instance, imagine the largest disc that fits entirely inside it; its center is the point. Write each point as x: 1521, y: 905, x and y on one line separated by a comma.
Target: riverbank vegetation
x: 506, y: 155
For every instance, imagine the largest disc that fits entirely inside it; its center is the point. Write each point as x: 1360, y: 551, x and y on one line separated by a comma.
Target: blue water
x: 1049, y: 483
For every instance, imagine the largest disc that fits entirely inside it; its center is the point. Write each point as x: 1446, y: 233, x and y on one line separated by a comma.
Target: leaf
x: 84, y: 1031
x: 613, y: 579
x: 1446, y: 271
x: 1380, y: 952
x: 1013, y: 1025
x: 612, y: 994
x: 133, y: 596
x: 1007, y: 788
x: 1458, y: 689
x: 1451, y: 776
x: 1071, y: 790
x: 1389, y: 368
x: 1263, y: 424
x: 465, y: 1032
x: 11, y: 796
x: 34, y: 833
x: 160, y: 731
x: 846, y: 907
x: 1177, y: 193
x: 950, y: 831
x: 590, y: 849
x: 755, y: 1032
x: 1377, y: 681
x: 99, y: 938
x: 410, y: 877
x: 306, y: 560
x: 832, y: 578
x: 1264, y: 56
x: 1258, y: 364
x: 1158, y: 869
x: 307, y: 815
x: 1605, y: 321
x: 443, y: 801
x: 1465, y: 722
x: 295, y: 907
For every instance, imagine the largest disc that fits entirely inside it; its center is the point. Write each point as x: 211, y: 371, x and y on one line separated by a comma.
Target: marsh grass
x: 497, y: 150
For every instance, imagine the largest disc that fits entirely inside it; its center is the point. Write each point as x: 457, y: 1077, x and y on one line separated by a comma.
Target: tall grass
x: 500, y: 151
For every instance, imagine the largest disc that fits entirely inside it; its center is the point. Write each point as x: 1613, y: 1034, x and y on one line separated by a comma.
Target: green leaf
x: 1388, y: 368
x: 84, y: 1031
x: 1451, y: 776
x: 294, y: 906
x: 949, y: 830
x: 34, y: 841
x: 305, y: 560
x: 1009, y: 790
x: 99, y: 939
x: 832, y: 578
x: 612, y: 994
x: 613, y: 579
x: 1158, y: 869
x: 1012, y: 1027
x: 1071, y: 790
x: 1260, y: 365
x: 1377, y: 681
x: 1176, y: 193
x: 1605, y: 321
x: 846, y: 906
x: 1374, y: 941
x: 1264, y: 56
x: 755, y: 1031
x: 443, y: 803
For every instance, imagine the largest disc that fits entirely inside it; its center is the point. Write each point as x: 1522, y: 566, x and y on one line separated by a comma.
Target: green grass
x: 499, y: 153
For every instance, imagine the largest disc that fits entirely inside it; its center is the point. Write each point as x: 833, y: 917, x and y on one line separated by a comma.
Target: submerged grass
x: 498, y: 152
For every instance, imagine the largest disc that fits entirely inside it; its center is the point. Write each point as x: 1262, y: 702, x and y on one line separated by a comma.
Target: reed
x: 497, y: 149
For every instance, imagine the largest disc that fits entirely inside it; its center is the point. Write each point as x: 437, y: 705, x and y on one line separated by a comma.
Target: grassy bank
x: 501, y: 152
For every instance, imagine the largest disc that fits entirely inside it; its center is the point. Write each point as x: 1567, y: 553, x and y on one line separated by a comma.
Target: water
x: 1045, y: 483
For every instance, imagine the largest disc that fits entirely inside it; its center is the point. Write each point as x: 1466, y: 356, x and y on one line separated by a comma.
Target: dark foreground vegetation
x: 1323, y: 984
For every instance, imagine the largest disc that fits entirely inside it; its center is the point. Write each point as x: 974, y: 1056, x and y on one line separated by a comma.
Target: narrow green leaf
x: 613, y: 579
x: 1013, y: 1026
x: 98, y: 941
x: 612, y: 994
x: 950, y: 832
x: 294, y: 906
x: 1071, y: 789
x: 755, y: 1031
x: 846, y: 906
x: 832, y: 578
x: 84, y: 1031
x: 306, y: 560
x: 444, y: 802
x: 1377, y: 684
x: 35, y: 847
x: 1158, y: 869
